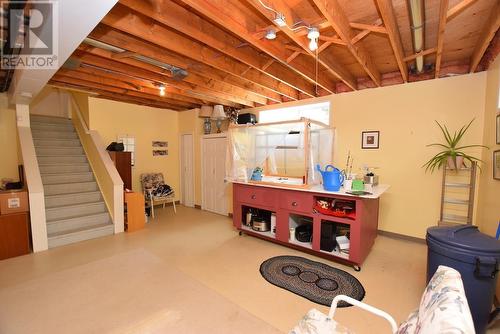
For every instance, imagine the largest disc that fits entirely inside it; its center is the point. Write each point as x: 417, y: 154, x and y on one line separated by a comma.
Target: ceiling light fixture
x: 271, y: 34
x: 280, y: 20
x: 313, y: 35
x: 162, y: 90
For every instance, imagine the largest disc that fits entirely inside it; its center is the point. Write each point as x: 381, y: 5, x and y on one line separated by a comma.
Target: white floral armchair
x: 156, y: 190
x: 443, y: 309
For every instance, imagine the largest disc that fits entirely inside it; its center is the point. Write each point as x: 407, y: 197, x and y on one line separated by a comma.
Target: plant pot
x: 455, y: 163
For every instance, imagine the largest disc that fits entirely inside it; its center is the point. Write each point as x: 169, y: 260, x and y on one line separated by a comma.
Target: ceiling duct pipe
x: 177, y: 73
x: 417, y: 19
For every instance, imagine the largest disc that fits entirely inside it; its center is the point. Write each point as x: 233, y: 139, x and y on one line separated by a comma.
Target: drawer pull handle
x: 295, y: 203
x: 254, y: 197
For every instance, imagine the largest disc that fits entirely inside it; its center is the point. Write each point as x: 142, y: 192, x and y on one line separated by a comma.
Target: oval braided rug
x: 313, y: 280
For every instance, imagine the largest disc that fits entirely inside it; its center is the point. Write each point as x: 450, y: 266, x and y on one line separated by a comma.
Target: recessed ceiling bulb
x: 271, y: 34
x: 162, y: 90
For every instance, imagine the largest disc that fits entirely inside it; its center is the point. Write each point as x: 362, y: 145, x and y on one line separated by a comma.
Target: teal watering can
x: 332, y: 178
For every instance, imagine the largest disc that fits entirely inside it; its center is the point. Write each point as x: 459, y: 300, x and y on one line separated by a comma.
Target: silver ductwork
x: 177, y: 72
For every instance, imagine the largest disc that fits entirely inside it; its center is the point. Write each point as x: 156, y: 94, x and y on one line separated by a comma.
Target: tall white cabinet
x: 213, y: 187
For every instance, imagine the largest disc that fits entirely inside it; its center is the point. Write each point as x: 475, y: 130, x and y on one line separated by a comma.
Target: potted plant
x: 452, y: 154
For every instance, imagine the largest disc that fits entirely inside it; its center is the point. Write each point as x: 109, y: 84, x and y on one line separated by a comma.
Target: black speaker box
x: 247, y: 118
x: 328, y: 240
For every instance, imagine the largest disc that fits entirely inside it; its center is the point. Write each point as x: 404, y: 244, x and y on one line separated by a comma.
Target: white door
x: 187, y: 173
x: 213, y: 173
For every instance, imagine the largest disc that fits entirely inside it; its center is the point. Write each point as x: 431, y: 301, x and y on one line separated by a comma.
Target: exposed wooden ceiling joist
x: 216, y: 52
x: 335, y: 15
x: 101, y: 59
x: 418, y: 54
x: 185, y: 22
x: 458, y: 8
x: 83, y: 87
x: 388, y: 17
x: 208, y: 87
x: 144, y: 48
x: 147, y: 29
x: 325, y: 60
x: 115, y: 86
x: 93, y: 75
x: 490, y: 28
x: 217, y: 12
x: 443, y: 8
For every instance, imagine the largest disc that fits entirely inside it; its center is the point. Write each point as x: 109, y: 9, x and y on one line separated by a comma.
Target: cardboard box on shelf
x: 14, y: 201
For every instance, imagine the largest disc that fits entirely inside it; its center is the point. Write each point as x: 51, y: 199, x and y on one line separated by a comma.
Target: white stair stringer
x: 74, y: 206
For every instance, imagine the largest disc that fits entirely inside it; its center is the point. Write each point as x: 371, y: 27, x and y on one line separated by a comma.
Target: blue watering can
x: 332, y: 179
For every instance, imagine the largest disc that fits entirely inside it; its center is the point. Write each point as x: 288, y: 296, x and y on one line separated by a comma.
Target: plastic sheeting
x: 287, y: 152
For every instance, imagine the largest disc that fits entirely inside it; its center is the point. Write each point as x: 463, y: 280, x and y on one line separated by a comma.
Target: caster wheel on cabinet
x: 240, y: 233
x: 357, y: 268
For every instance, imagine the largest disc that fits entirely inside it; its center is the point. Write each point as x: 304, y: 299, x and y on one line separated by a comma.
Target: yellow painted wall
x: 50, y: 102
x: 8, y: 140
x: 489, y: 196
x: 146, y: 124
x: 82, y: 101
x: 404, y: 115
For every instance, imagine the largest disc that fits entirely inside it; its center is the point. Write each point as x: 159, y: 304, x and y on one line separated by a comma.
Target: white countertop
x: 377, y: 191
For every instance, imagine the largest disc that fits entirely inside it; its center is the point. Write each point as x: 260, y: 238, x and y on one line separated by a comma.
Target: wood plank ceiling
x: 216, y: 51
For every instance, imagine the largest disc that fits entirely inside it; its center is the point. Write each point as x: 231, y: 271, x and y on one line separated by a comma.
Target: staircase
x: 74, y: 207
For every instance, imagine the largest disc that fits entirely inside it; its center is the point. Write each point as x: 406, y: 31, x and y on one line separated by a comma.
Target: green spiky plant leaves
x: 451, y: 149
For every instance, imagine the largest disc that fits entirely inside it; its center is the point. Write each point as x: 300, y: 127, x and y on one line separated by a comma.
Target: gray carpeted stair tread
x: 72, y: 198
x: 100, y: 215
x: 74, y: 205
x: 71, y: 194
x: 77, y: 230
x: 55, y: 142
x: 64, y: 164
x: 72, y: 183
x: 97, y: 231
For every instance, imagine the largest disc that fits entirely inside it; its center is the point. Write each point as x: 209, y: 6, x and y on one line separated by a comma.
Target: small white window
x: 128, y: 144
x: 318, y: 112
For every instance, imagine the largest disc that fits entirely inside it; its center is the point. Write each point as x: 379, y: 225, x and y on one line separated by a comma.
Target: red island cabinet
x: 295, y: 207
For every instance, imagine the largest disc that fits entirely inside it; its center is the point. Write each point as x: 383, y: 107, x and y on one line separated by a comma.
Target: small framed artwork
x: 496, y: 165
x: 158, y: 143
x: 370, y: 139
x: 498, y: 129
x: 160, y: 153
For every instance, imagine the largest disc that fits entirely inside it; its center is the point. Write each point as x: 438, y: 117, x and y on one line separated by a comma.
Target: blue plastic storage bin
x: 476, y: 256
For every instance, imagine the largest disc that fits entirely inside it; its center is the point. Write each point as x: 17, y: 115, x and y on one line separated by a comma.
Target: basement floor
x: 203, y: 248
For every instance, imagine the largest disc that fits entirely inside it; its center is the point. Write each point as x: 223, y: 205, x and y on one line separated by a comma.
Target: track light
x: 162, y: 90
x: 313, y: 35
x: 271, y: 34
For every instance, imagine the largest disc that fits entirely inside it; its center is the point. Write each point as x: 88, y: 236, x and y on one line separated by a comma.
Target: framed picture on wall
x: 496, y: 165
x: 370, y: 139
x: 498, y: 129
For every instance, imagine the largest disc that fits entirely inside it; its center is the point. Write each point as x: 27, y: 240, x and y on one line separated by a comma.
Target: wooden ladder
x: 457, y: 195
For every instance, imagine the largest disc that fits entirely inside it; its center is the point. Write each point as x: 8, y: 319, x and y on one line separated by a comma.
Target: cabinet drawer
x: 255, y: 195
x: 296, y: 201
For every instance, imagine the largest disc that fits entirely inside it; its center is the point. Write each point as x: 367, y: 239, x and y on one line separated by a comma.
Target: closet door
x: 213, y: 173
x: 220, y: 173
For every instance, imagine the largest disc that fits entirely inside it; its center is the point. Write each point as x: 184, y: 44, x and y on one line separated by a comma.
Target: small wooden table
x: 135, y: 219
